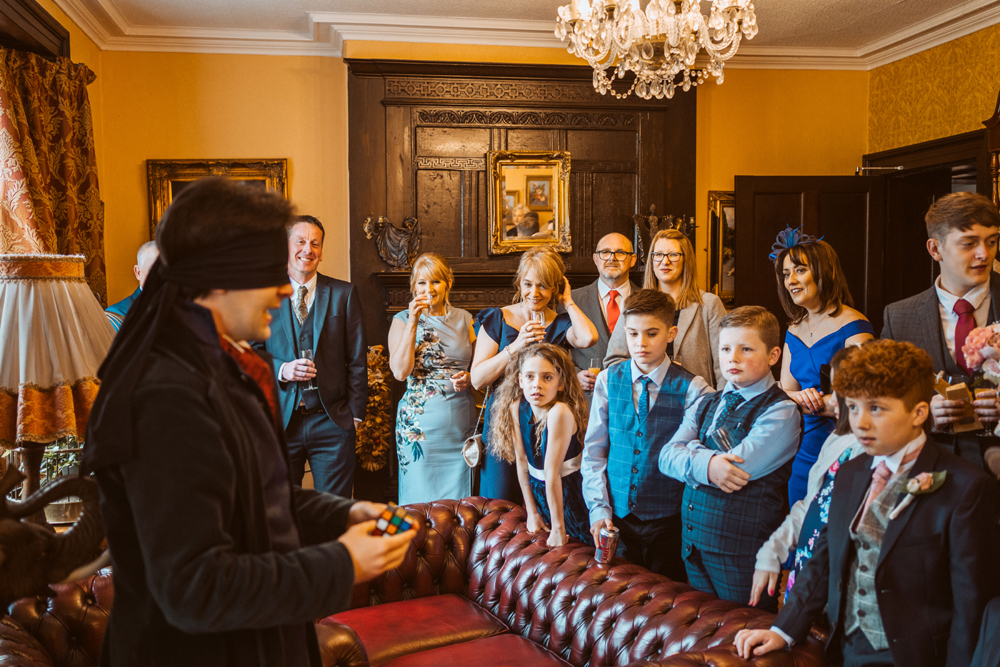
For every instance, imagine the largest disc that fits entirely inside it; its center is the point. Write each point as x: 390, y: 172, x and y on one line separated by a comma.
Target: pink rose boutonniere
x: 922, y: 484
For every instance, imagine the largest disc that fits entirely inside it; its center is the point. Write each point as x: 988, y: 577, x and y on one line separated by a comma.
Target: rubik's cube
x: 393, y: 519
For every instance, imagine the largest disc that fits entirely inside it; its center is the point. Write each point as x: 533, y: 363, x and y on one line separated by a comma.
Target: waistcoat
x: 735, y: 523
x: 636, y: 484
x: 861, y: 605
x: 304, y: 341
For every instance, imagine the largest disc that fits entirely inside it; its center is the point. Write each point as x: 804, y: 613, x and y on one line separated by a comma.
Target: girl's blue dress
x: 498, y: 478
x: 575, y: 515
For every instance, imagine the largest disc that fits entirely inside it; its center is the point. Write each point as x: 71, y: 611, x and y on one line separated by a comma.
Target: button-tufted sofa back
x: 588, y: 614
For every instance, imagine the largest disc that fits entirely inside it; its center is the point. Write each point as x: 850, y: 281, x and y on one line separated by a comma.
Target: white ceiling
x: 836, y: 34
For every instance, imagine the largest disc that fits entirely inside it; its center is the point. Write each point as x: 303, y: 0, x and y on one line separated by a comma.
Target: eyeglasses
x: 672, y: 257
x: 617, y: 254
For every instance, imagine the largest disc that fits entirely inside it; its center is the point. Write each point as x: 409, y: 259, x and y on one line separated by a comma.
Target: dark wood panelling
x: 419, y: 133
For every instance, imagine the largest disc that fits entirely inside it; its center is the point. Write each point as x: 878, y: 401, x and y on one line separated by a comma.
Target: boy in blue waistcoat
x: 638, y: 404
x: 734, y: 500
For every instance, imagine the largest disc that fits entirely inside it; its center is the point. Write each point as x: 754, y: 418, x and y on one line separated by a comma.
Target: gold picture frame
x: 165, y: 178
x: 722, y: 245
x: 545, y: 223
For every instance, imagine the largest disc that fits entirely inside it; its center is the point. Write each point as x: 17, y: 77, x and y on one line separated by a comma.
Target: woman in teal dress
x: 814, y: 294
x: 430, y: 347
x: 503, y: 332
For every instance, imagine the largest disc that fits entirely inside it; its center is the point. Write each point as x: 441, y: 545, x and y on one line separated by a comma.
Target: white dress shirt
x: 979, y: 297
x: 624, y: 290
x: 597, y: 442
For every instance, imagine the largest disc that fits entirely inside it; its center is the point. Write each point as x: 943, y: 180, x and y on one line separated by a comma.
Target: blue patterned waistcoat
x: 739, y: 522
x: 637, y: 486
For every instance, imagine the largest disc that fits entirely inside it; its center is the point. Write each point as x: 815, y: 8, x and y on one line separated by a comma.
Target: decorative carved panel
x: 419, y: 133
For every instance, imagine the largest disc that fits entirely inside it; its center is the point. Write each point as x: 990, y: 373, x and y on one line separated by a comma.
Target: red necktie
x: 966, y: 323
x: 613, y: 311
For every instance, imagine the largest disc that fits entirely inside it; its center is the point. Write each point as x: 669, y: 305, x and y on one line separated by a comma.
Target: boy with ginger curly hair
x: 904, y: 580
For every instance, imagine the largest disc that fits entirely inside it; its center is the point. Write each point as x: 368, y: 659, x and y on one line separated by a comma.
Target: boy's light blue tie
x: 643, y: 408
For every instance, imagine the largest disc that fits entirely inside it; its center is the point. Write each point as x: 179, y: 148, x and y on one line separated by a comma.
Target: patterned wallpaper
x: 937, y: 93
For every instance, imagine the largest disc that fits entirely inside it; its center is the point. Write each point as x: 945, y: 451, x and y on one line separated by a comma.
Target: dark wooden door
x: 847, y: 211
x: 908, y: 268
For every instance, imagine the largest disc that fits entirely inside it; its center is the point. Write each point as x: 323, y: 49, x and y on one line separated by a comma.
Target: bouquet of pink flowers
x: 982, y: 352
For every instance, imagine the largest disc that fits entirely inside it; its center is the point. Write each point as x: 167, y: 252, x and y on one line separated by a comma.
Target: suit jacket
x: 116, y: 312
x: 340, y: 351
x: 588, y: 298
x: 696, y: 347
x: 918, y: 320
x: 936, y: 568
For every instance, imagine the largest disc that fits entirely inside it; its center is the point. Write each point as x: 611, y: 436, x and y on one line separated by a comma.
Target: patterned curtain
x: 49, y: 199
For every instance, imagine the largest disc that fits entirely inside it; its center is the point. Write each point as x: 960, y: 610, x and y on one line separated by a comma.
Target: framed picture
x: 539, y: 193
x: 722, y: 245
x: 515, y: 223
x: 166, y: 178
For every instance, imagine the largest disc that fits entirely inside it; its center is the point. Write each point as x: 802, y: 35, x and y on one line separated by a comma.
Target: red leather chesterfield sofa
x: 476, y: 589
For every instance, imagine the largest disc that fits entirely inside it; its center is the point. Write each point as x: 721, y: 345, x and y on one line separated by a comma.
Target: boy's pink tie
x: 880, y: 477
x: 966, y: 323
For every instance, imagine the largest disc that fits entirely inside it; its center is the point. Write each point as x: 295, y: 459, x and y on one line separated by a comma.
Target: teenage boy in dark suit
x: 962, y: 229
x: 901, y: 586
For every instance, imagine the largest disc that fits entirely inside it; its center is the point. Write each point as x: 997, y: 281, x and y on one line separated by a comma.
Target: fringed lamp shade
x: 53, y: 337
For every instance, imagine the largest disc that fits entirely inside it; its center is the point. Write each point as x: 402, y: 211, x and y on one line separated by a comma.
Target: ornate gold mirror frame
x: 528, y: 200
x: 168, y: 177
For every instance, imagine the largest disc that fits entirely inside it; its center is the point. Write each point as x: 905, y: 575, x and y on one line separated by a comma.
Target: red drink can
x: 608, y: 545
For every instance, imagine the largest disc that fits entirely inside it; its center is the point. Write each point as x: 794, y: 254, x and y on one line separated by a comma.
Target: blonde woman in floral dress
x: 430, y: 347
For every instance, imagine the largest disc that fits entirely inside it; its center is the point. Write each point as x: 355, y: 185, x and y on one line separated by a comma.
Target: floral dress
x: 433, y: 420
x: 816, y: 518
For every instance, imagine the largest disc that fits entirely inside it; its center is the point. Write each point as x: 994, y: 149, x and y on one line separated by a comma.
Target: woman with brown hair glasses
x: 671, y: 267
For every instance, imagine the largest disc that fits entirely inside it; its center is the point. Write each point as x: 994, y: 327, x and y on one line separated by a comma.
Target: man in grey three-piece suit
x: 324, y: 316
x: 963, y: 229
x: 602, y: 301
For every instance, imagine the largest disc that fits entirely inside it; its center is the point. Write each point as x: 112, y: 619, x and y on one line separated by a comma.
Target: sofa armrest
x: 339, y: 645
x: 19, y: 649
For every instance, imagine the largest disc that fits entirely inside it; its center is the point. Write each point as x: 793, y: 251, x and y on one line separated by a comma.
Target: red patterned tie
x: 966, y: 323
x: 613, y: 311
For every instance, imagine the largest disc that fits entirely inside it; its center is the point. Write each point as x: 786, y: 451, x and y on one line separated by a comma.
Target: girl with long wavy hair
x: 538, y: 421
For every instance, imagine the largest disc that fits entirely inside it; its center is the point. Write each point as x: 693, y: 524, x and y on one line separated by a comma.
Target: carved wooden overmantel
x: 419, y: 133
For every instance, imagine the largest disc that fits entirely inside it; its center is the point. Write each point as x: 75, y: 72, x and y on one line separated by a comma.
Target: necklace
x: 819, y: 323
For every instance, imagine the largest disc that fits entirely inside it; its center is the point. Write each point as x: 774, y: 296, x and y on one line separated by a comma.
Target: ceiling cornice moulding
x: 327, y: 32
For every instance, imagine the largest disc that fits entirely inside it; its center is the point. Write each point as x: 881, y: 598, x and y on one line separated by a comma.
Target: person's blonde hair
x: 503, y: 424
x: 689, y: 281
x: 432, y: 266
x: 548, y: 266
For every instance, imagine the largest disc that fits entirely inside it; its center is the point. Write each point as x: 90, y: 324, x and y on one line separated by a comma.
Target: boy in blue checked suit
x: 636, y: 405
x: 734, y: 500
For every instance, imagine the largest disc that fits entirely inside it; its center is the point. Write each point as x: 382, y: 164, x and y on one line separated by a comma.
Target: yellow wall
x: 943, y: 91
x: 189, y: 106
x: 777, y: 123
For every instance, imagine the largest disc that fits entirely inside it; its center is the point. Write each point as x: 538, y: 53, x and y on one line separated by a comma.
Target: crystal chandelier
x: 656, y: 45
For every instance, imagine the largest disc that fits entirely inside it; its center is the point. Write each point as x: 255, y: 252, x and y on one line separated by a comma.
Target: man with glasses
x: 602, y: 301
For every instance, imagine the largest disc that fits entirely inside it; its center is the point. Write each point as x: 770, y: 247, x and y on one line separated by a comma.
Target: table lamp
x: 53, y: 337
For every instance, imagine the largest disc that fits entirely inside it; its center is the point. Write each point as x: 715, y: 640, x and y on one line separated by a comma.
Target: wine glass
x: 595, y: 365
x: 310, y: 385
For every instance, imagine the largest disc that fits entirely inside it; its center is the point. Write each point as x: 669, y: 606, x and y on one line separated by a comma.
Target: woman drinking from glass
x: 504, y: 331
x: 430, y: 347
